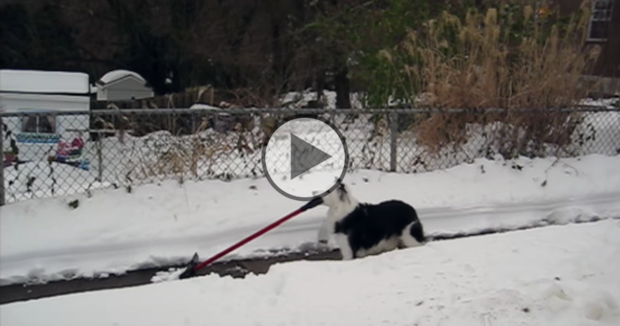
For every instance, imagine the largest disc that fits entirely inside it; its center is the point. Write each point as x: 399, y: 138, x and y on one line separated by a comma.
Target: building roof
x: 43, y: 82
x: 116, y: 75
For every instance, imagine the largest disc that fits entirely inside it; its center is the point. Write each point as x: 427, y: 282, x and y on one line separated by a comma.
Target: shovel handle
x: 311, y: 204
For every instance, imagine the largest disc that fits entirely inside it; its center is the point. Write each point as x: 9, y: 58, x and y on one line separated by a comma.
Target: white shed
x: 48, y: 93
x: 122, y: 85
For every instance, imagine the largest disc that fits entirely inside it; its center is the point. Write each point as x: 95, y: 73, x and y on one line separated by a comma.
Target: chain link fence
x: 60, y: 153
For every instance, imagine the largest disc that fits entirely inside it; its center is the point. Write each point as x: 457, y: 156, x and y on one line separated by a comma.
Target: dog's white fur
x: 338, y: 209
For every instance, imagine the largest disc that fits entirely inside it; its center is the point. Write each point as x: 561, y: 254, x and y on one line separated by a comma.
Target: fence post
x: 393, y: 120
x: 2, y: 197
x: 100, y: 156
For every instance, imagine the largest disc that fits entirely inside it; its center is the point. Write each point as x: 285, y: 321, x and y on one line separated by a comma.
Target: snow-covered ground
x: 554, y: 276
x: 165, y: 223
x: 162, y: 223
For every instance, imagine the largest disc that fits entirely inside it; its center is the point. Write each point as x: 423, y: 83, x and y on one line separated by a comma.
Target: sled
x: 71, y: 154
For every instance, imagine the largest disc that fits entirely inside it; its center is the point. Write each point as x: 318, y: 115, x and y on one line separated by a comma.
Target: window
x: 599, y: 20
x: 41, y: 124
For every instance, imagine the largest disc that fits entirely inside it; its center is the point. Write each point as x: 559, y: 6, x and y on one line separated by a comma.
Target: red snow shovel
x: 193, y: 266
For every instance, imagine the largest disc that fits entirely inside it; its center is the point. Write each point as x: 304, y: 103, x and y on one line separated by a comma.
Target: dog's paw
x: 347, y: 257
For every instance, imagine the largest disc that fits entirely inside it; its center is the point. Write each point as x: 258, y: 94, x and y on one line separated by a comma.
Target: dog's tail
x: 417, y: 232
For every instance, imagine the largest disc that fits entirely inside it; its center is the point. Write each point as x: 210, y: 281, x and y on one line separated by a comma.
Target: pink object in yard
x: 77, y: 143
x: 64, y: 149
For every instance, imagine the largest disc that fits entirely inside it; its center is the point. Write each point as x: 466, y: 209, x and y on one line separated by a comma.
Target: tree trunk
x: 343, y: 100
x: 278, y: 56
x: 319, y: 84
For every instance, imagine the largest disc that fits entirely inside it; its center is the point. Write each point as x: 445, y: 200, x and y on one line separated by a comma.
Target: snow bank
x: 556, y: 276
x: 165, y: 223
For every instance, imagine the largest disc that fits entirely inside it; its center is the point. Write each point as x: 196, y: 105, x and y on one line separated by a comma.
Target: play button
x: 303, y: 156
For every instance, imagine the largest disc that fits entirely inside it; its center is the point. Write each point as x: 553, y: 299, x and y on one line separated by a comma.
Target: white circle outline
x: 342, y: 173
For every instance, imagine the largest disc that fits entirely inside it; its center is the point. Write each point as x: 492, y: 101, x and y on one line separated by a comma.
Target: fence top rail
x: 580, y: 108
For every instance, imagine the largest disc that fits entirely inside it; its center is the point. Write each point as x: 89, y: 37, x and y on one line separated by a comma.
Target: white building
x: 48, y: 94
x: 122, y: 85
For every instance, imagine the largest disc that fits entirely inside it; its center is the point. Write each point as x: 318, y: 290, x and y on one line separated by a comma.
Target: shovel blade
x: 189, y: 269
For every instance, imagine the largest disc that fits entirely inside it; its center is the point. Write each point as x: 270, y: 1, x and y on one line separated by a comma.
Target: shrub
x: 507, y: 57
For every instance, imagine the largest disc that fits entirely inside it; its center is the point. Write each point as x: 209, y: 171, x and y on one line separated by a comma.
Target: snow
x: 67, y: 177
x: 565, y: 274
x: 201, y: 106
x: 279, y: 157
x: 118, y: 74
x: 43, y: 81
x: 605, y: 102
x: 358, y: 99
x: 163, y: 224
x: 300, y: 99
x: 553, y: 276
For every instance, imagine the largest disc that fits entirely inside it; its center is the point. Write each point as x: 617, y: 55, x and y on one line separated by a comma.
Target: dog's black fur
x: 365, y: 228
x: 369, y: 224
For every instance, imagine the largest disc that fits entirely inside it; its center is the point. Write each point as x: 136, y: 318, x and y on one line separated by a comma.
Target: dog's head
x: 339, y: 197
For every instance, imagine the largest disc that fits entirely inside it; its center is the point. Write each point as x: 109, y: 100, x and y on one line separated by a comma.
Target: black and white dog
x: 363, y: 229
